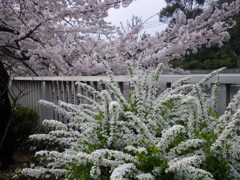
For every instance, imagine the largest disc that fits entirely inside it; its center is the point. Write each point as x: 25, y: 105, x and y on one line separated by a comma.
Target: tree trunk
x: 6, y: 141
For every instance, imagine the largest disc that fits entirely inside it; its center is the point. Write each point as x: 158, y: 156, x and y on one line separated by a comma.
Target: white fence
x: 64, y: 88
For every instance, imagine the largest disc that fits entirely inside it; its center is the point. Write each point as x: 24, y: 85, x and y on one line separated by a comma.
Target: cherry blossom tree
x: 44, y: 36
x: 70, y: 37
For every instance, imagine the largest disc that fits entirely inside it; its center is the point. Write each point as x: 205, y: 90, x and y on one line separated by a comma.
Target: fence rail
x: 64, y: 88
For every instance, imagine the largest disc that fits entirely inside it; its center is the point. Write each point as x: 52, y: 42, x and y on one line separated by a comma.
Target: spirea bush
x: 175, y: 134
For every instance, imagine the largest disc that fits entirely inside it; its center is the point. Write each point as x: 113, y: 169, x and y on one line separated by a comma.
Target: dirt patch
x: 20, y: 160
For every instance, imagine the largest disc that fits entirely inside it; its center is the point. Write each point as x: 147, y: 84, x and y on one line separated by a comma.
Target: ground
x: 20, y: 160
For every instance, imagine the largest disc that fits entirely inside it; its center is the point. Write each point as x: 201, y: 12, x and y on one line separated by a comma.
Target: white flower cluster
x: 136, y: 150
x: 147, y: 136
x: 146, y: 176
x: 95, y: 172
x: 123, y: 171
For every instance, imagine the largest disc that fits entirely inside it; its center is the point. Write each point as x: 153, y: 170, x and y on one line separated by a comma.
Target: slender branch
x: 27, y: 65
x: 11, y: 54
x: 7, y: 29
x: 29, y: 33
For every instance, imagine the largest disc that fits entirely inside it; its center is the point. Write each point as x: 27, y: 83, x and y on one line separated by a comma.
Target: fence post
x: 46, y: 94
x: 222, y: 98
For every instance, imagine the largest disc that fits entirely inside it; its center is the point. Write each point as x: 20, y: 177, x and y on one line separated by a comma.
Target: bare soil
x: 20, y: 160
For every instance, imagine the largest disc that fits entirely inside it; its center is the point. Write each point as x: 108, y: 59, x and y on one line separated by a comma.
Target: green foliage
x: 24, y: 121
x: 177, y: 140
x: 214, y: 163
x: 186, y: 6
x: 209, y: 136
x: 213, y: 113
x: 202, y: 63
x: 133, y: 105
x: 167, y: 12
x: 102, y: 144
x: 216, y: 166
x: 150, y: 160
x: 82, y: 172
x: 77, y: 172
x: 99, y: 117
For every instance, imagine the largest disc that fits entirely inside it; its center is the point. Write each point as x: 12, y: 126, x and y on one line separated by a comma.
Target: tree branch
x: 27, y: 35
x: 9, y: 30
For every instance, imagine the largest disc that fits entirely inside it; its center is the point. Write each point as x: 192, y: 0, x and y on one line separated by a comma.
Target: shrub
x: 24, y: 121
x: 172, y: 135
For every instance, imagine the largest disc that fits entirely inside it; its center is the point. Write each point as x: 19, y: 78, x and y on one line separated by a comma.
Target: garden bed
x: 20, y: 160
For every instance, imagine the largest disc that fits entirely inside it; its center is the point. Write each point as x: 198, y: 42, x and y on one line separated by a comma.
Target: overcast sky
x: 140, y: 8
